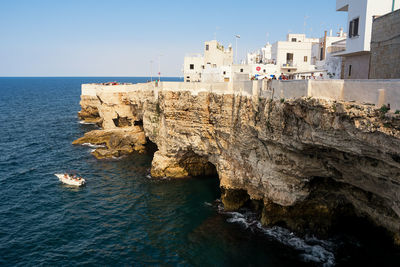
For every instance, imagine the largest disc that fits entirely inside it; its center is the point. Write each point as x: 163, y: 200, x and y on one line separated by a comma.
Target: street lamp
x: 237, y: 37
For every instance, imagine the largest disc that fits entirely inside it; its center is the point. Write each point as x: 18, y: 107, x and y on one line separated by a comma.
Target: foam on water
x: 92, y: 145
x: 87, y: 123
x: 311, y: 248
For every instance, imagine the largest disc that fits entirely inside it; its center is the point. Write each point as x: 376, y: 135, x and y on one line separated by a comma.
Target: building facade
x: 294, y: 54
x: 322, y: 54
x: 215, y: 56
x: 356, y: 57
x: 385, y: 47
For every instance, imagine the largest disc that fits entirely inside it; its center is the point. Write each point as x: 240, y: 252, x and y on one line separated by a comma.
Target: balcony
x: 289, y: 65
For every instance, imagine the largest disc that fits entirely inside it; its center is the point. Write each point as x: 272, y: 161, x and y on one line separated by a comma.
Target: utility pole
x: 237, y: 37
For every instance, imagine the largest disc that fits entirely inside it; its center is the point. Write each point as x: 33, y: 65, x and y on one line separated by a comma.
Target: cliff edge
x: 304, y: 163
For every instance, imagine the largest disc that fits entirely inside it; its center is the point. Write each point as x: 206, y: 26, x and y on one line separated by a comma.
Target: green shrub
x: 384, y: 109
x: 282, y: 100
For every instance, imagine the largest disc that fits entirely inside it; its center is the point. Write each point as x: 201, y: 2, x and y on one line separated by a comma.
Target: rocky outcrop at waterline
x: 89, y: 110
x: 115, y: 143
x: 309, y: 162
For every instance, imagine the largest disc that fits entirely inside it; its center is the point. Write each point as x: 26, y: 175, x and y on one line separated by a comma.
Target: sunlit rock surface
x: 309, y: 161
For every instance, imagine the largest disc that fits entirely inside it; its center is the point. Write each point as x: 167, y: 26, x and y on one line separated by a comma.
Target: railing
x: 289, y: 64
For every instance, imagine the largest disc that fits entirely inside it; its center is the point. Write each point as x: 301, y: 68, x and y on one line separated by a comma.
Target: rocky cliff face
x: 304, y: 163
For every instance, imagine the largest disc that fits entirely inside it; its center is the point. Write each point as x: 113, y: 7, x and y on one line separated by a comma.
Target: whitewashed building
x: 215, y: 56
x: 294, y: 54
x: 322, y: 54
x: 360, y: 17
x: 193, y: 66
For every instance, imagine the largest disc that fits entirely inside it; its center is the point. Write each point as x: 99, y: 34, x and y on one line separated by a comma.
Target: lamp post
x: 237, y: 36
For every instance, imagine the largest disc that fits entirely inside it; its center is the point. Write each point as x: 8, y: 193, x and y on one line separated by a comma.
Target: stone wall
x: 385, y: 47
x: 377, y: 92
x: 356, y: 66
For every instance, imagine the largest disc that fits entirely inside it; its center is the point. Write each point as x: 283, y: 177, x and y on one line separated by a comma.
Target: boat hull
x: 69, y: 181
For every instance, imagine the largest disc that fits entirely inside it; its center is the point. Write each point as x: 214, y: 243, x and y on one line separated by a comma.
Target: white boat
x: 67, y: 179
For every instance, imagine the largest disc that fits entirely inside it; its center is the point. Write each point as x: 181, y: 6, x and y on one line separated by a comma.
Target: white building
x: 215, y: 56
x: 360, y: 17
x: 322, y: 52
x: 296, y: 57
x: 294, y: 54
x: 193, y: 66
x: 261, y: 56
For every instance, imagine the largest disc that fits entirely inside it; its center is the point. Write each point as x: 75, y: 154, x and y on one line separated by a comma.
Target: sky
x: 123, y: 37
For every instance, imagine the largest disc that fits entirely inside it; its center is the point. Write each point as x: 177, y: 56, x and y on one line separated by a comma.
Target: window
x: 207, y: 47
x: 321, y: 55
x: 349, y: 70
x: 191, y: 66
x: 305, y: 59
x: 202, y: 66
x: 241, y: 70
x: 294, y: 40
x: 355, y: 30
x: 289, y: 58
x: 264, y: 71
x: 224, y: 72
x: 353, y: 27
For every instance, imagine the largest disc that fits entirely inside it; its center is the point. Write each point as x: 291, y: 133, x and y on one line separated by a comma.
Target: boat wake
x: 312, y: 249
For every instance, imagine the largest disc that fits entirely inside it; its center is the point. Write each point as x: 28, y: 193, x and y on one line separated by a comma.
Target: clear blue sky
x: 120, y: 37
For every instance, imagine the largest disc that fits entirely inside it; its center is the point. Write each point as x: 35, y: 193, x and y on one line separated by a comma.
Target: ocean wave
x: 311, y: 248
x: 87, y: 123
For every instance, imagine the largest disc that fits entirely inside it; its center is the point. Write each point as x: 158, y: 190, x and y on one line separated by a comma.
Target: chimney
x: 324, y: 46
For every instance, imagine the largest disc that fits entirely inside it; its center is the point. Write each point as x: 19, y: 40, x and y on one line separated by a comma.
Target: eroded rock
x: 273, y: 151
x: 117, y: 142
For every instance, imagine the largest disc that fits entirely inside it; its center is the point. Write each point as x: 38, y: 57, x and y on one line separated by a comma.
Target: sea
x: 123, y: 217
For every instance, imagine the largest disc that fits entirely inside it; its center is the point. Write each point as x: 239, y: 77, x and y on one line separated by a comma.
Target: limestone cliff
x: 89, y: 112
x: 307, y: 162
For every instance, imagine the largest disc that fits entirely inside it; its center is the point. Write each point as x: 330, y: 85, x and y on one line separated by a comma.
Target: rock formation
x: 89, y: 112
x: 309, y: 162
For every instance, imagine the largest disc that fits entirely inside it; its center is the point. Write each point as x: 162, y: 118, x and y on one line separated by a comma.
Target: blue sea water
x: 122, y: 216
